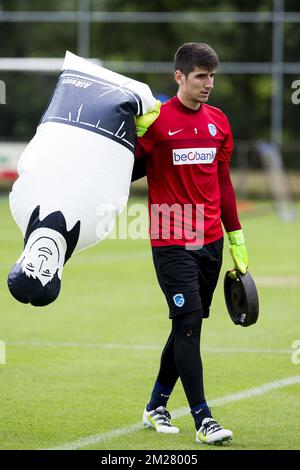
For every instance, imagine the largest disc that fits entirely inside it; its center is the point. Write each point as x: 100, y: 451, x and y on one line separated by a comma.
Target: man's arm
x: 144, y: 144
x: 139, y: 169
x: 229, y: 214
x: 142, y: 150
x: 230, y: 219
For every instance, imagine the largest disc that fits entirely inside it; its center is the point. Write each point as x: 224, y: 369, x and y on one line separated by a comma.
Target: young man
x: 188, y: 150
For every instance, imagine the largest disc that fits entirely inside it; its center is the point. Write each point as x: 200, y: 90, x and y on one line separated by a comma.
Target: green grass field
x: 79, y: 372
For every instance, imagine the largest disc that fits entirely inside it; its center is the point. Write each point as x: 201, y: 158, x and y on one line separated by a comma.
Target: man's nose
x: 209, y: 83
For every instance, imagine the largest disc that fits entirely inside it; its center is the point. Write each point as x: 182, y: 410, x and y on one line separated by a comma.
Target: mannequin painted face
x: 41, y: 259
x: 43, y: 255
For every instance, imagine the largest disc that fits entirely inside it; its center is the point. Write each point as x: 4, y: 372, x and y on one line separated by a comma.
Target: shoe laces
x: 210, y: 425
x: 161, y: 410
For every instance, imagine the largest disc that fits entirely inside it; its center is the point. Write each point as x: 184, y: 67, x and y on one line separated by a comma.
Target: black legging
x: 181, y: 357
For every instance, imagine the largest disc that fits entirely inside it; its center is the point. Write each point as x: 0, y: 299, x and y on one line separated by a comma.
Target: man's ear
x: 179, y: 77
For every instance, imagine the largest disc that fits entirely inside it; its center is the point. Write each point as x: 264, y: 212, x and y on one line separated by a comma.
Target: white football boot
x: 211, y: 432
x: 160, y: 420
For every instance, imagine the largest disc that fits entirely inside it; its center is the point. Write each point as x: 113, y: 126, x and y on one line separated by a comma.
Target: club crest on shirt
x: 179, y: 300
x: 212, y: 129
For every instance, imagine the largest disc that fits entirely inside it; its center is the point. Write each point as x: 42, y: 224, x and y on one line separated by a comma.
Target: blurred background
x: 258, y: 46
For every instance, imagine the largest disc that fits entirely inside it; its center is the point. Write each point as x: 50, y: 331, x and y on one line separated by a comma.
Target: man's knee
x: 189, y: 324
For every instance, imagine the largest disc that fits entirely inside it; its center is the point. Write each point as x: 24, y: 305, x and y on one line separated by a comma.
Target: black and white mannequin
x: 75, y: 174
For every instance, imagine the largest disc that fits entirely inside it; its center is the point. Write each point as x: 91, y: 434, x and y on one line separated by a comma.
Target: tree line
x: 245, y: 98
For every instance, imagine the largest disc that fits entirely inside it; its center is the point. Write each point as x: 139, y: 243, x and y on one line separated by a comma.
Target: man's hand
x: 238, y: 250
x: 142, y: 123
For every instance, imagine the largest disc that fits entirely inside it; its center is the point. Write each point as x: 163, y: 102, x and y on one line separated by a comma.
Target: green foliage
x: 245, y: 98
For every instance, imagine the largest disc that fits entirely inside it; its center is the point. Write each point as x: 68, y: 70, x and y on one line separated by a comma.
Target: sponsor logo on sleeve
x: 194, y: 156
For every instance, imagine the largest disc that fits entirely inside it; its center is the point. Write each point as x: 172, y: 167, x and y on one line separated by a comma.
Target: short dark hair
x: 31, y: 291
x: 195, y: 54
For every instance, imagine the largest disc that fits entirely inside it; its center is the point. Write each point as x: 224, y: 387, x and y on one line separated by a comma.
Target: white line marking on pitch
x: 52, y: 344
x: 179, y: 413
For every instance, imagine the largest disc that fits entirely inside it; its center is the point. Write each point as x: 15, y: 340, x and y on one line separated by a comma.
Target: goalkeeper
x: 186, y: 149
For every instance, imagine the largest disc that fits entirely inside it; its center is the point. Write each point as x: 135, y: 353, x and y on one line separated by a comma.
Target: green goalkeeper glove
x: 142, y: 123
x: 238, y: 250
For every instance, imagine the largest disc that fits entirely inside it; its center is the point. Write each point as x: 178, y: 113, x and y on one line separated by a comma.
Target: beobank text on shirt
x: 194, y: 155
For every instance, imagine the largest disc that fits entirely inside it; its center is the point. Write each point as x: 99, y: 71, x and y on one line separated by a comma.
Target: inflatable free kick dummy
x: 74, y: 175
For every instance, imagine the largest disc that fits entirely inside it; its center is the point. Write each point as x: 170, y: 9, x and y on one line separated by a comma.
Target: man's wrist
x: 236, y: 237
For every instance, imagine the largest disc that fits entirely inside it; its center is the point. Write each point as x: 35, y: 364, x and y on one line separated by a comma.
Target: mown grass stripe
x: 179, y: 413
x: 67, y: 344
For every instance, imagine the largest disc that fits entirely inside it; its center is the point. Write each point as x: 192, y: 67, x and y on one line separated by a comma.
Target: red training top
x: 190, y: 191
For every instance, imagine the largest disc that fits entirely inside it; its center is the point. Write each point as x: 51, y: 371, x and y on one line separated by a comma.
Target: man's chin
x: 203, y: 99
